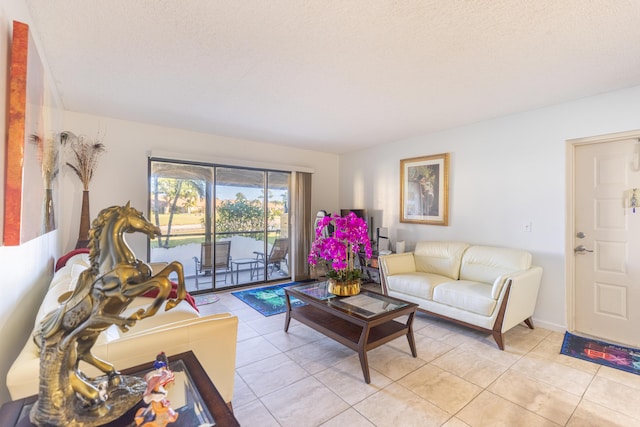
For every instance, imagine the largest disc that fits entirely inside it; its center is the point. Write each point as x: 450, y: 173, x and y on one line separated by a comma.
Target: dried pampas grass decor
x: 47, y: 156
x: 85, y: 153
x: 84, y: 159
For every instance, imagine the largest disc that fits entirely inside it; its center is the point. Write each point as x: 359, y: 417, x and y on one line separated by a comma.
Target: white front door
x: 607, y: 241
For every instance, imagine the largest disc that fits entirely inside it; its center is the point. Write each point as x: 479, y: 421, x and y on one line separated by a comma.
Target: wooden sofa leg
x: 497, y: 336
x: 529, y: 323
x: 497, y: 326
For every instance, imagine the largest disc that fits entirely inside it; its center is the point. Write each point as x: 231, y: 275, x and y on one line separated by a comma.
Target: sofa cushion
x: 417, y: 284
x: 64, y: 259
x: 441, y: 258
x: 485, y: 263
x: 182, y: 311
x: 71, y: 270
x: 54, y: 297
x: 466, y: 295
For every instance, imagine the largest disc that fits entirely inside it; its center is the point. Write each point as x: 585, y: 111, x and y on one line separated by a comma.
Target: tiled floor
x: 460, y: 378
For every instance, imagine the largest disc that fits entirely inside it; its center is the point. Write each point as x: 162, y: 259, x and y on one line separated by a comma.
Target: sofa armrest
x: 523, y: 295
x: 397, y: 263
x: 389, y: 265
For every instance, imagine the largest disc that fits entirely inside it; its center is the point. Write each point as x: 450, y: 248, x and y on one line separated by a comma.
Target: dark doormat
x: 612, y: 355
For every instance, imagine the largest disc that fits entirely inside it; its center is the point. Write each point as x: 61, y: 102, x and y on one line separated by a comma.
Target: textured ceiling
x: 333, y: 75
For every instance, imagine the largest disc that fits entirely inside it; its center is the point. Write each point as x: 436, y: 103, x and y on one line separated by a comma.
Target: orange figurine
x: 159, y: 412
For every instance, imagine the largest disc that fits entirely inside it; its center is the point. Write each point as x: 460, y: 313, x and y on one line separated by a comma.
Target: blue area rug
x: 269, y: 300
x: 615, y: 356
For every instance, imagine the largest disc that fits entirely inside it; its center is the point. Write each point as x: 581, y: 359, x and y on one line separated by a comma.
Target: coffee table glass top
x: 366, y: 304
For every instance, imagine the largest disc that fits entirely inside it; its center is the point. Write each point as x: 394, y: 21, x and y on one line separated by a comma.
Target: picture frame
x: 32, y: 155
x: 424, y: 190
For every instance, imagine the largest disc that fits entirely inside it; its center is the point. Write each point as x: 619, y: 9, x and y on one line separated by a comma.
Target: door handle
x: 581, y: 249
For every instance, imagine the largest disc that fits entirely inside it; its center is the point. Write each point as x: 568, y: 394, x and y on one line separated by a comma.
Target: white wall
x: 121, y: 175
x: 503, y: 173
x: 26, y: 269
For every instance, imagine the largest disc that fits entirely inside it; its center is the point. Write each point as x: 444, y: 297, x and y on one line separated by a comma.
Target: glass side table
x: 193, y: 396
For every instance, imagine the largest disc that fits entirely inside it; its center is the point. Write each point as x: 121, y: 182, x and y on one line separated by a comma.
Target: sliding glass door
x: 239, y: 218
x: 227, y: 225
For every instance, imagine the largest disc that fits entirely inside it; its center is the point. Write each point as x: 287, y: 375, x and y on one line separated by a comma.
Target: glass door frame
x: 209, y: 231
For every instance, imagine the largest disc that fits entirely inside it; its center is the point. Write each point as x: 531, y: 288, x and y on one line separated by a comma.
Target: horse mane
x: 96, y: 232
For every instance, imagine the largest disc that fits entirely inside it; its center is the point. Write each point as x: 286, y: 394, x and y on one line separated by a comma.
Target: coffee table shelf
x: 346, y: 332
x: 329, y: 316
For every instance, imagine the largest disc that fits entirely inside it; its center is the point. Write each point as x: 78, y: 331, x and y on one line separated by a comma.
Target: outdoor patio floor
x: 244, y: 277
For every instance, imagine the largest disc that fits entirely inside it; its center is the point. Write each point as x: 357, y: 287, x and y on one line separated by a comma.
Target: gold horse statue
x: 66, y: 336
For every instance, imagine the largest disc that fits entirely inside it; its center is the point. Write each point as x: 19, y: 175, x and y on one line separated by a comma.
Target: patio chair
x: 277, y: 255
x: 205, y: 265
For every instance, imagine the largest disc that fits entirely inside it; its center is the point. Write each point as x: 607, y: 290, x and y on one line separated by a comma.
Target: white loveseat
x: 211, y: 338
x: 488, y: 288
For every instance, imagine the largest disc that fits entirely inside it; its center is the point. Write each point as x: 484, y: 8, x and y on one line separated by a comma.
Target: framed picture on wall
x: 424, y: 190
x: 32, y: 162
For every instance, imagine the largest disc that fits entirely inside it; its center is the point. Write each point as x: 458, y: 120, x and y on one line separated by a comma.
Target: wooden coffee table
x: 361, y: 322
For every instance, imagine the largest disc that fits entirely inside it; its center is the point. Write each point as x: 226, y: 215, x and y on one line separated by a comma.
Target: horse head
x: 135, y: 222
x: 107, y: 244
